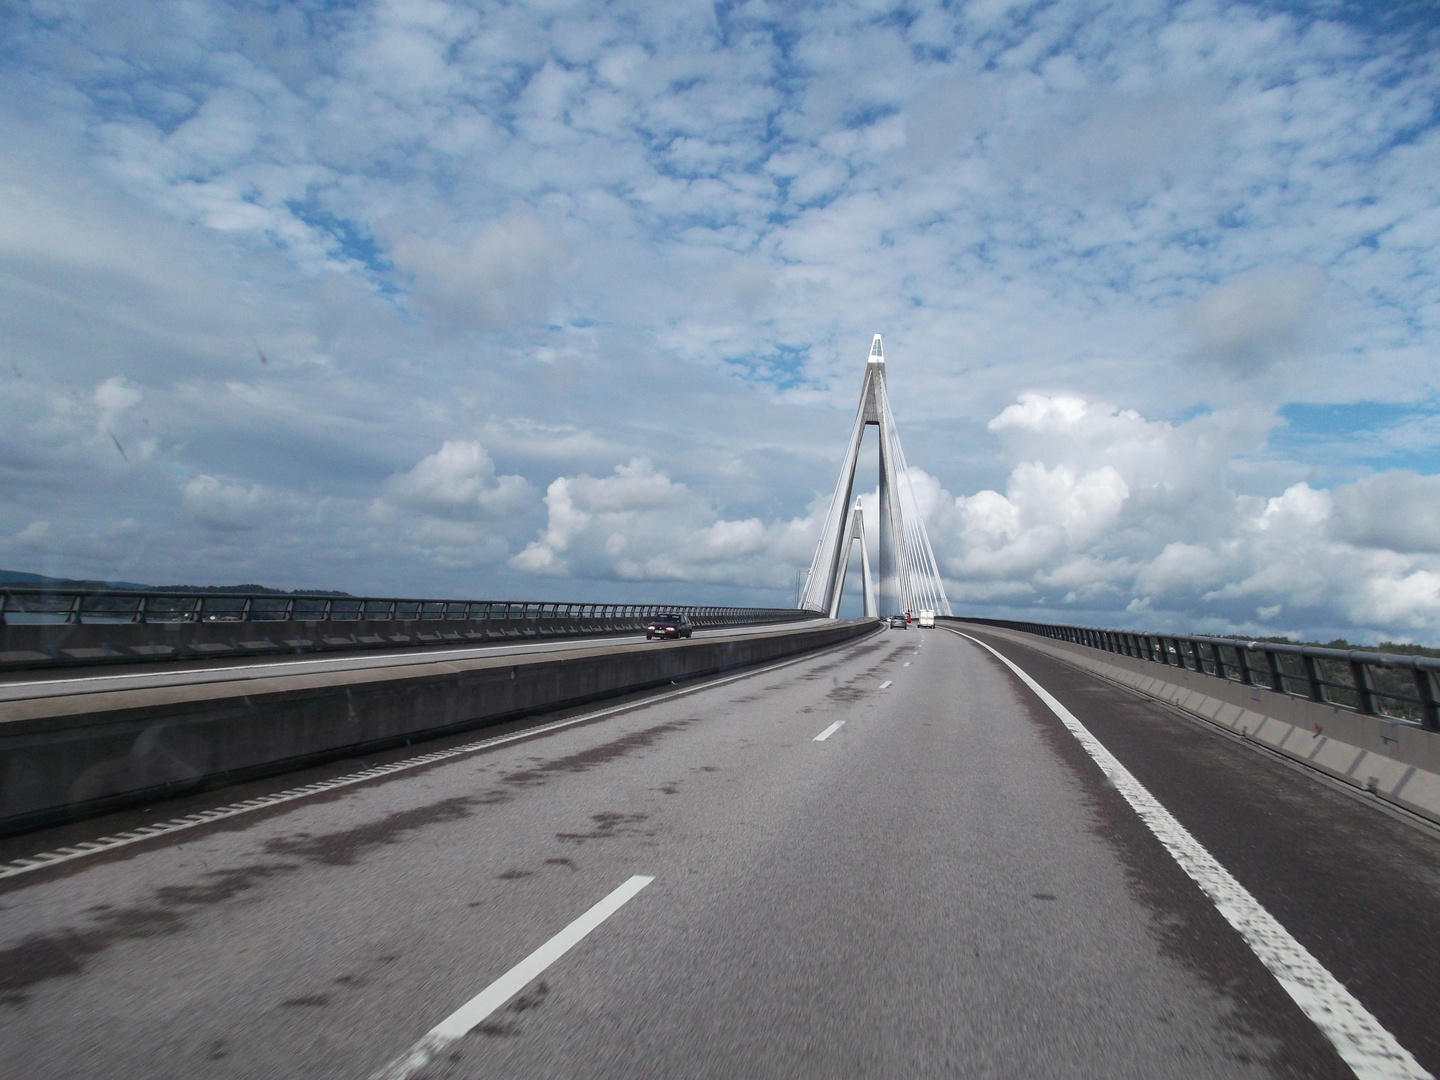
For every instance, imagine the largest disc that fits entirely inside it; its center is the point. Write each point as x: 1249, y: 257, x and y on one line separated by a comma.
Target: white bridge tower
x: 909, y: 575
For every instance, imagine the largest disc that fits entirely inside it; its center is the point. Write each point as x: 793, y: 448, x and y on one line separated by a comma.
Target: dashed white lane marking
x: 473, y: 1012
x: 906, y: 664
x: 836, y: 726
x: 1371, y: 1052
x: 190, y: 821
x: 886, y: 683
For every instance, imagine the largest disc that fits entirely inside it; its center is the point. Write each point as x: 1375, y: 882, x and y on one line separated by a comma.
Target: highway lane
x: 943, y: 885
x: 28, y: 685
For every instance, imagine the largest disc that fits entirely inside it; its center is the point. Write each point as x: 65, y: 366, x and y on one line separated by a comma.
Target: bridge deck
x: 944, y: 885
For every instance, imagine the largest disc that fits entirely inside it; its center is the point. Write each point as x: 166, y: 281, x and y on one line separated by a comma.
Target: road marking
x: 906, y: 664
x: 464, y: 1019
x: 204, y: 817
x: 836, y: 726
x: 886, y: 683
x: 1371, y: 1052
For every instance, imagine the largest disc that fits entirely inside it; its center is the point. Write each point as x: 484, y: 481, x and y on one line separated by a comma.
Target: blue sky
x: 573, y: 300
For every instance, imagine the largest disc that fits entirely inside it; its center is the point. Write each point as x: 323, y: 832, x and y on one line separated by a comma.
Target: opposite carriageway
x: 77, y: 740
x: 55, y: 627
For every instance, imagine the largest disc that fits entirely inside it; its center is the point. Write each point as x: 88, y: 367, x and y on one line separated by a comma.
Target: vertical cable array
x: 909, y: 574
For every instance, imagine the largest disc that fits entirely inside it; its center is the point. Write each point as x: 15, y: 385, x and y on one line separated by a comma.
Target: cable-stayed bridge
x: 909, y: 575
x: 253, y: 836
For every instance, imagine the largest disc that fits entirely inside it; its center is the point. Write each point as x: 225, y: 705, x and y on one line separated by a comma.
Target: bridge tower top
x: 909, y: 576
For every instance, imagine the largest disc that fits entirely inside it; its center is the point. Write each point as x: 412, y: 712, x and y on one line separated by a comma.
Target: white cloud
x: 1251, y: 319
x: 1144, y: 516
x: 458, y: 482
x: 639, y: 525
x: 1399, y: 510
x: 33, y: 533
x: 943, y: 116
x: 501, y: 275
x: 221, y: 504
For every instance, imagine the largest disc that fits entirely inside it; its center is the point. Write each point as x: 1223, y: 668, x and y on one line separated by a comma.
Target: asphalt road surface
x: 945, y: 884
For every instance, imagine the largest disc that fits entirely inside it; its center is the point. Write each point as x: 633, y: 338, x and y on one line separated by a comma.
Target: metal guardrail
x: 48, y: 627
x: 1400, y: 688
x: 32, y: 605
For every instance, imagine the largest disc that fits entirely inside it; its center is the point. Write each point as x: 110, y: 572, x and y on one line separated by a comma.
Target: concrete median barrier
x: 80, y: 754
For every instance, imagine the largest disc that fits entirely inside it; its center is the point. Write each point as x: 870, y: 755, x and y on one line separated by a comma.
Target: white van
x: 927, y: 620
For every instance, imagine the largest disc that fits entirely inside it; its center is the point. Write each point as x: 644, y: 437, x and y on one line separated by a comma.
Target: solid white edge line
x: 836, y: 726
x: 473, y: 1012
x: 109, y: 843
x: 1371, y: 1052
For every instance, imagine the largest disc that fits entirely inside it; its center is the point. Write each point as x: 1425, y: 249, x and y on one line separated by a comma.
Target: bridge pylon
x: 909, y: 576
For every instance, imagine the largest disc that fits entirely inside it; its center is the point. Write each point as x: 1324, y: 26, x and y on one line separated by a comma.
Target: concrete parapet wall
x: 1395, y: 761
x: 63, y: 757
x: 48, y: 645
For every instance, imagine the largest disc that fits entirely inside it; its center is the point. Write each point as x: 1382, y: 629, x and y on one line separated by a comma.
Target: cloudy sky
x: 573, y: 301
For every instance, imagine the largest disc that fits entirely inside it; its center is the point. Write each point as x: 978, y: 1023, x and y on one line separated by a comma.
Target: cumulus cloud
x: 1111, y: 521
x: 639, y: 525
x: 113, y: 396
x: 501, y: 276
x: 457, y: 482
x: 224, y: 504
x: 1399, y: 510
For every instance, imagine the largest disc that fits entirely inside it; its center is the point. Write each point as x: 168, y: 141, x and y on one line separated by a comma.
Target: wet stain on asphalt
x: 344, y: 847
x: 67, y: 952
x: 514, y: 875
x: 532, y: 998
x: 596, y: 755
x: 821, y: 669
x: 607, y: 826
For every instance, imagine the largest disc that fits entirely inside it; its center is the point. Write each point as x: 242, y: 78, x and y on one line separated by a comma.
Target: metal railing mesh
x: 1399, y: 687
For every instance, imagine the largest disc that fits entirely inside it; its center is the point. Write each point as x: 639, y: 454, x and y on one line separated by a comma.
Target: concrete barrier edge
x: 75, y: 765
x: 1396, y: 763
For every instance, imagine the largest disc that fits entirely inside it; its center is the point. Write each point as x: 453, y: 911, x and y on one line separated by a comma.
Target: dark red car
x: 668, y: 626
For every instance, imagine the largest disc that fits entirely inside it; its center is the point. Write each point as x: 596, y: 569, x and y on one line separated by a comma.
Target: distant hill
x: 19, y: 577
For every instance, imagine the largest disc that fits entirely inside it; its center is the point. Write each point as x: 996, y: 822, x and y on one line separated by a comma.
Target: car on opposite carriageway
x: 669, y: 625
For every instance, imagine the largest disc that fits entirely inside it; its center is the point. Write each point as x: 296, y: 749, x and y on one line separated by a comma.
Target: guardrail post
x: 1242, y: 663
x: 1277, y: 673
x: 1425, y: 691
x: 1364, y: 688
x: 1312, y: 676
